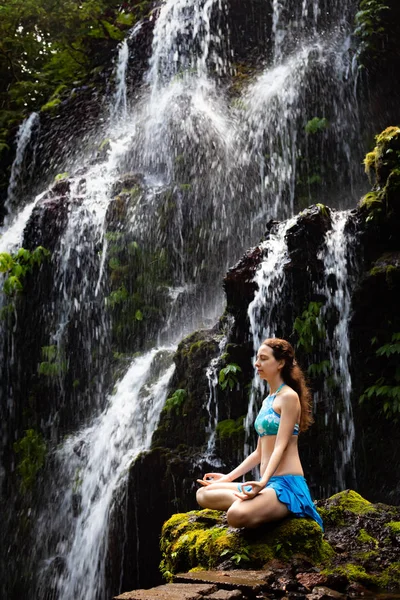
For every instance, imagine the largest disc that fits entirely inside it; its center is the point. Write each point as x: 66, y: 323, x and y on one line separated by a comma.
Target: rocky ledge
x: 357, y: 556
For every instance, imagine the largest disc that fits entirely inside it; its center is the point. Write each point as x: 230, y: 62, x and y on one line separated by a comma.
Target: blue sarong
x: 292, y: 490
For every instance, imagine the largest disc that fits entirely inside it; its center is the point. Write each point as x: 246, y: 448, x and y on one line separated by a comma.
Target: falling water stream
x: 339, y: 277
x: 21, y: 167
x: 225, y: 168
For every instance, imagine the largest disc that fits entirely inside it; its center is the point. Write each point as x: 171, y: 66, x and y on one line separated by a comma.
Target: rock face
x: 357, y: 554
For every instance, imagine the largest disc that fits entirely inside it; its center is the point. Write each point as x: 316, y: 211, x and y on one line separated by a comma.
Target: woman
x: 282, y: 489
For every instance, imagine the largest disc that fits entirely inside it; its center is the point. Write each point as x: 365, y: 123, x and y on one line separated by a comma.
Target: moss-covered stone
x: 365, y: 538
x: 394, y: 527
x: 202, y: 539
x: 340, y: 504
x: 385, y: 157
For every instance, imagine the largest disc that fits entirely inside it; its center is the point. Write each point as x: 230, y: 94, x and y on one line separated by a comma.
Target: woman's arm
x: 248, y: 464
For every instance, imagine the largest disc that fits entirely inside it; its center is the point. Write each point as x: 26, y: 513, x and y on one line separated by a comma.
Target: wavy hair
x: 293, y: 375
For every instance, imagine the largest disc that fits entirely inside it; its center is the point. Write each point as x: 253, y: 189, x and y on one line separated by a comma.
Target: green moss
x: 31, y: 451
x: 369, y: 164
x: 367, y: 556
x: 365, y: 538
x: 371, y: 200
x: 394, y: 527
x: 199, y: 345
x: 390, y: 577
x: 51, y: 105
x: 334, y: 513
x: 200, y: 539
x: 388, y: 135
x: 61, y: 176
x: 316, y: 124
x: 355, y: 572
x: 230, y: 428
x: 353, y: 502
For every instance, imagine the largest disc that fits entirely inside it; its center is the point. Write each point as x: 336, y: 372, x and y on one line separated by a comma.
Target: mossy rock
x: 336, y: 508
x: 203, y: 540
x: 385, y: 157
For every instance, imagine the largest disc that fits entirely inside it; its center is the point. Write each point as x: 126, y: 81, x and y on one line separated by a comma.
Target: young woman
x: 282, y: 489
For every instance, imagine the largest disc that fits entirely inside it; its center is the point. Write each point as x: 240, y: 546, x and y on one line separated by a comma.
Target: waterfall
x: 263, y: 311
x: 339, y: 280
x: 23, y: 164
x: 119, y: 109
x: 207, y: 171
x: 92, y: 465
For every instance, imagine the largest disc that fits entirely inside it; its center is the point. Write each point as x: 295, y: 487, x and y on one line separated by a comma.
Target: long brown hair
x: 293, y: 375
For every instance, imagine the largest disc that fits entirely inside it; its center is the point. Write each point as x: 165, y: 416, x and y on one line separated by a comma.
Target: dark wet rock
x: 239, y: 285
x: 306, y: 236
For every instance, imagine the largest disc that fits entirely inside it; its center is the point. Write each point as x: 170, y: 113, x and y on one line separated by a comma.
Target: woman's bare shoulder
x: 288, y: 398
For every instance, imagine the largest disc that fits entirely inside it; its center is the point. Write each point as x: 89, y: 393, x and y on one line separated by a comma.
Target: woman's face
x: 266, y: 364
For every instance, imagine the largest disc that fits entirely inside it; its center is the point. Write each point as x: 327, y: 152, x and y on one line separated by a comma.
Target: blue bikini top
x: 268, y: 420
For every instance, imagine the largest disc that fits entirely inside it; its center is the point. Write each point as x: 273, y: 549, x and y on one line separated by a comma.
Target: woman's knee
x: 201, y: 497
x: 238, y: 516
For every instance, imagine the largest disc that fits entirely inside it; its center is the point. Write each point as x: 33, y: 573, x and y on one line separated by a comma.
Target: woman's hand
x: 209, y: 478
x: 248, y: 494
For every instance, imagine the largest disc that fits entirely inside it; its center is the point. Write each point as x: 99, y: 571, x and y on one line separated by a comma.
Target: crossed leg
x: 262, y: 508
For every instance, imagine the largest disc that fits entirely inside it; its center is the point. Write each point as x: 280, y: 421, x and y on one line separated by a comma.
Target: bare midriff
x: 290, y: 463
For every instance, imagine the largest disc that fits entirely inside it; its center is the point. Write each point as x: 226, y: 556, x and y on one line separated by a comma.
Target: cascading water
x: 92, y: 466
x: 339, y: 279
x: 208, y: 173
x: 119, y: 109
x: 23, y: 165
x: 263, y: 311
x: 304, y: 103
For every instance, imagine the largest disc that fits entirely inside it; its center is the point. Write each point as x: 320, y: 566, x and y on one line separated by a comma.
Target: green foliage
x: 317, y: 369
x: 309, y: 327
x: 387, y: 387
x: 53, y: 364
x: 230, y: 428
x: 32, y: 453
x: 61, y: 176
x: 45, y: 44
x: 228, y: 376
x: 175, y: 402
x: 316, y: 124
x: 117, y: 296
x: 238, y: 557
x: 51, y: 105
x: 16, y: 266
x: 370, y: 29
x: 323, y: 209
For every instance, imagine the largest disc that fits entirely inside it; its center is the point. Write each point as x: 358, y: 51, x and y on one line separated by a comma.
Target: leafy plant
x: 228, y: 376
x: 238, y: 557
x: 174, y: 403
x: 387, y: 387
x: 369, y: 22
x: 309, y: 327
x: 32, y: 452
x: 52, y: 365
x: 16, y: 266
x: 316, y: 124
x: 317, y: 369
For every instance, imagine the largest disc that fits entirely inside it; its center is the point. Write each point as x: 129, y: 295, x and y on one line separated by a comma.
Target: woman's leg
x: 218, y: 496
x: 261, y: 509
